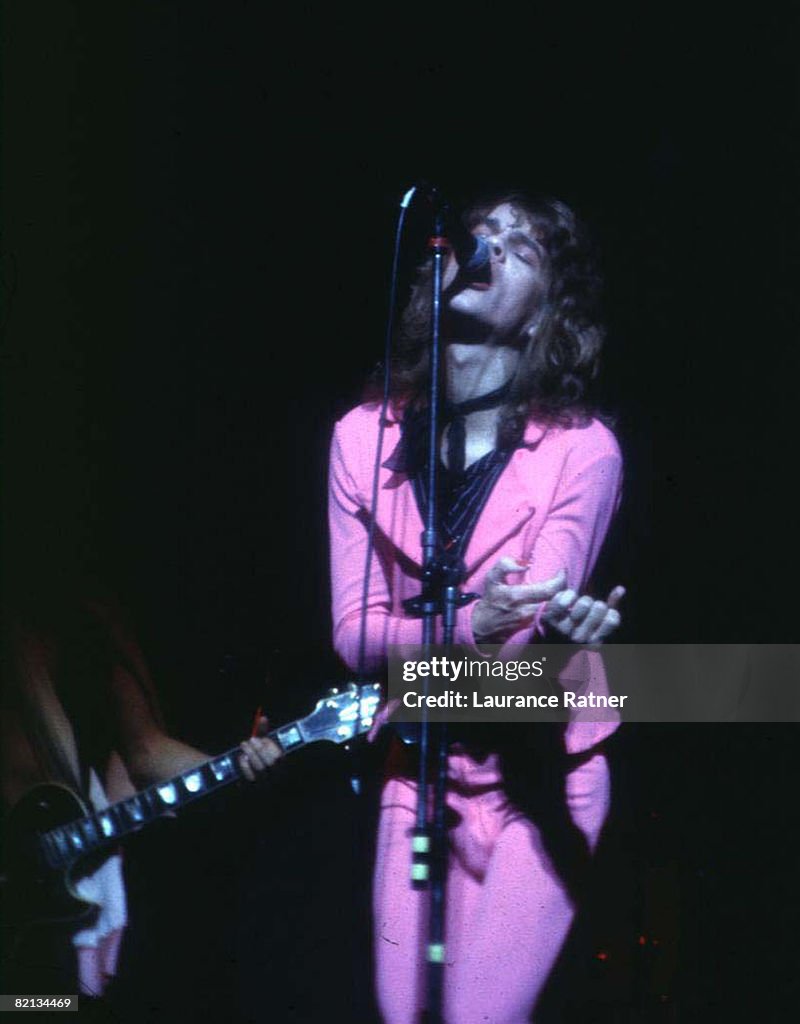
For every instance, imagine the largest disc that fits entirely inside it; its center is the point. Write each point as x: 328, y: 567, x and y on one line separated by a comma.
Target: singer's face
x: 502, y: 309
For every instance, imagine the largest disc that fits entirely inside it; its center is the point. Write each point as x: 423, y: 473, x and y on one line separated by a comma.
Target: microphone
x: 472, y: 252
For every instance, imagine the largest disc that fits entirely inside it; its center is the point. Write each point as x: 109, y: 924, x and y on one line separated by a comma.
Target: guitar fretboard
x: 66, y: 843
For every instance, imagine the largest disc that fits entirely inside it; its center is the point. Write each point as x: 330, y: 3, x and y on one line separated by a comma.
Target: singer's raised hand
x: 505, y: 608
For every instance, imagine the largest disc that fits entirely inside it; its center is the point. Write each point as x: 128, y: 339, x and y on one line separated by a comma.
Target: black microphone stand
x: 440, y: 595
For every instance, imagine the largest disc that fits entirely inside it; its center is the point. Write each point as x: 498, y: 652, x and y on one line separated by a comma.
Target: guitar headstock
x: 342, y: 714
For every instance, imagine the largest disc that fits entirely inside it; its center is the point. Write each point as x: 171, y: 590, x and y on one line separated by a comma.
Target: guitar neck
x: 63, y: 845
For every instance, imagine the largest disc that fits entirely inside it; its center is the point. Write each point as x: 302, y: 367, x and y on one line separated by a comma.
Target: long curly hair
x: 559, y: 357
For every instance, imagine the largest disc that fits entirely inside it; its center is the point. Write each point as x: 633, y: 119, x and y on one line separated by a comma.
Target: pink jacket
x: 551, y: 507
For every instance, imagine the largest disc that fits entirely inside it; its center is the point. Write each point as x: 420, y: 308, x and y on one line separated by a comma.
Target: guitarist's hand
x: 259, y: 752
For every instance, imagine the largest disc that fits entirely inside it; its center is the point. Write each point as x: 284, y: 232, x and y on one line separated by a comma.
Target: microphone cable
x: 387, y: 358
x: 355, y: 780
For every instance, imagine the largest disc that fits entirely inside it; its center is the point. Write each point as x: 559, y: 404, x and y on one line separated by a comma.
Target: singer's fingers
x: 615, y: 597
x: 595, y: 615
x: 610, y: 622
x: 549, y: 588
x: 497, y: 573
x: 559, y: 606
x: 527, y: 592
x: 581, y: 608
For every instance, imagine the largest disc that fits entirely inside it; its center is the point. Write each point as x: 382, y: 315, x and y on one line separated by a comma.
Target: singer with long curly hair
x: 530, y: 479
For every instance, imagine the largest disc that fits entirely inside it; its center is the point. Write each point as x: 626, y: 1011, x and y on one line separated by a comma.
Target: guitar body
x: 36, y: 893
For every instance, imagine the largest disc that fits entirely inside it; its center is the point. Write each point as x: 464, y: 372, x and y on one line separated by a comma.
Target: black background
x: 199, y: 205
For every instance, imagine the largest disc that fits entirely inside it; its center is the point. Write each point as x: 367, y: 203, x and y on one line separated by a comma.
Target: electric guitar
x: 51, y: 831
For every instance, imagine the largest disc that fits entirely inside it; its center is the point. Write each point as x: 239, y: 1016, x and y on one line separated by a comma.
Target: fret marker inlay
x: 133, y: 809
x: 222, y: 768
x: 106, y: 824
x: 168, y: 793
x: 193, y: 782
x: 290, y: 737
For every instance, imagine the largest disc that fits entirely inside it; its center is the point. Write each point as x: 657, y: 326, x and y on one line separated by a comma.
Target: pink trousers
x: 508, y: 912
